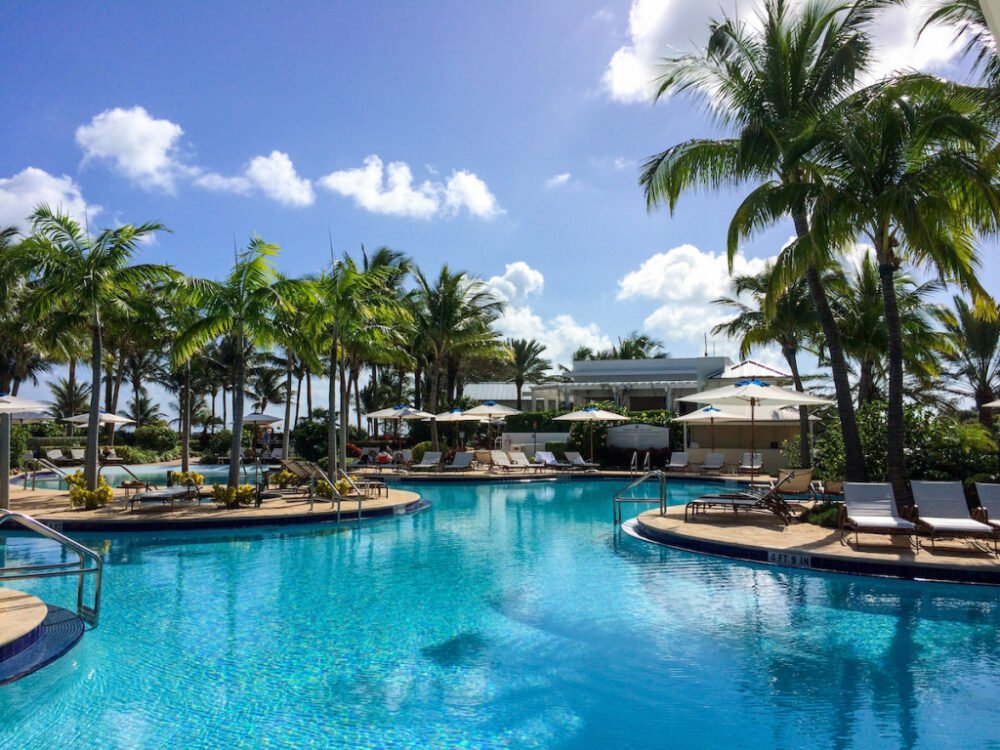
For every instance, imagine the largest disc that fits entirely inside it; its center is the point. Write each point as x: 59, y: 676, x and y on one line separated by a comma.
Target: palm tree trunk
x: 866, y: 382
x: 213, y: 411
x: 71, y: 389
x: 433, y: 399
x: 225, y: 407
x: 115, y: 394
x: 239, y: 391
x: 288, y: 408
x: 895, y: 439
x: 793, y: 365
x: 331, y: 416
x: 345, y: 412
x: 357, y: 399
x: 418, y: 376
x: 109, y: 384
x: 518, y: 384
x: 298, y: 398
x: 93, y: 424
x: 309, y: 394
x: 186, y: 418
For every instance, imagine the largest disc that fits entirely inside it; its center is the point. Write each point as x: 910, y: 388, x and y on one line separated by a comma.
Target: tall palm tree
x: 772, y: 85
x: 267, y: 386
x: 242, y: 306
x: 73, y: 269
x: 976, y: 355
x: 143, y: 409
x: 526, y: 363
x: 68, y: 399
x: 968, y: 18
x: 911, y: 173
x: 453, y: 317
x: 788, y: 323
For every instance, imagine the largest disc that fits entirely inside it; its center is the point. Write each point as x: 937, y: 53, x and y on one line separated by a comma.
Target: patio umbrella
x: 492, y: 410
x: 31, y: 417
x: 710, y: 414
x: 259, y: 418
x: 103, y: 418
x: 397, y: 413
x: 592, y: 414
x: 455, y: 416
x: 10, y: 405
x: 756, y: 393
x: 993, y: 404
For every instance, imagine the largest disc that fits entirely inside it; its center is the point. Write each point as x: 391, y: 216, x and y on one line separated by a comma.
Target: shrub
x: 155, y: 438
x: 81, y: 497
x: 18, y: 444
x: 281, y: 478
x: 309, y: 437
x: 234, y: 497
x: 188, y: 477
x: 557, y: 448
x: 822, y: 514
x: 133, y: 455
x: 420, y: 449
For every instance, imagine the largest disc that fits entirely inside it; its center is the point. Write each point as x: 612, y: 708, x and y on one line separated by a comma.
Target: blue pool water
x: 157, y: 475
x: 508, y: 615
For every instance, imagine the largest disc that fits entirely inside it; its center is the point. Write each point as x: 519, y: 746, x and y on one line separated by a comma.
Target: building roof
x: 750, y: 368
x: 495, y: 391
x: 661, y: 369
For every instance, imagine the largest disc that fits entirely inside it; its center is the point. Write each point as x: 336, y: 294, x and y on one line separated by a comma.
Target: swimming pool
x: 508, y: 615
x: 157, y: 475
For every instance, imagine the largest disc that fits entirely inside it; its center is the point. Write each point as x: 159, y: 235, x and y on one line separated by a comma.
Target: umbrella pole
x: 753, y: 441
x: 711, y: 432
x: 5, y: 461
x: 591, y: 442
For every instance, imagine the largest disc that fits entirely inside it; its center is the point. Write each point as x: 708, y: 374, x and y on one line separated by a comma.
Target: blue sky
x: 521, y: 127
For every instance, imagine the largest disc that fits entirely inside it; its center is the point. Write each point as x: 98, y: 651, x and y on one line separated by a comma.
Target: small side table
x: 132, y: 486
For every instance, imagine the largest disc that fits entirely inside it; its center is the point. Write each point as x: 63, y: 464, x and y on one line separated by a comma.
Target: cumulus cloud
x: 21, y: 194
x: 518, y: 282
x: 556, y: 180
x: 684, y: 281
x: 272, y: 175
x: 660, y: 28
x: 390, y: 189
x: 136, y: 144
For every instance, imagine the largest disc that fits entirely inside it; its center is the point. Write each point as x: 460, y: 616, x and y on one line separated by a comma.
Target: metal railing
x: 661, y: 497
x: 48, y: 466
x: 633, y: 466
x: 148, y: 485
x: 89, y: 563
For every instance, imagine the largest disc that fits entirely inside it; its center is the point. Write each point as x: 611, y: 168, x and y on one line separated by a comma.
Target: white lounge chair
x: 501, y: 461
x: 754, y: 462
x: 549, y: 460
x: 431, y: 460
x: 871, y: 509
x: 799, y: 484
x: 714, y: 462
x: 461, y: 462
x: 944, y: 514
x: 679, y: 461
x: 576, y: 459
x: 989, y: 504
x: 520, y: 459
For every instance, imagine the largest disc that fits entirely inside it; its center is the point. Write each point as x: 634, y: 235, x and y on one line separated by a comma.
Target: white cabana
x: 10, y: 405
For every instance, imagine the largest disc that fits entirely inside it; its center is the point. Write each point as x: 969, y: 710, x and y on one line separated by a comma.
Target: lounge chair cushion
x: 957, y: 525
x: 881, y: 522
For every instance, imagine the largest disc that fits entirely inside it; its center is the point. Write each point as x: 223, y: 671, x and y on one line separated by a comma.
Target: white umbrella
x: 456, y: 415
x: 31, y: 417
x: 491, y: 410
x: 756, y: 393
x: 592, y: 414
x: 259, y: 418
x: 10, y: 405
x: 993, y: 404
x: 103, y: 418
x: 710, y: 414
x: 399, y: 411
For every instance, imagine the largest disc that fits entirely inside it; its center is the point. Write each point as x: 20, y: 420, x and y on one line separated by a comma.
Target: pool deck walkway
x: 21, y: 614
x: 758, y: 537
x: 53, y: 509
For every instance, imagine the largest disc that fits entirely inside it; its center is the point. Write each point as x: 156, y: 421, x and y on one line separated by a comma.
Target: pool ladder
x: 622, y: 497
x: 88, y: 563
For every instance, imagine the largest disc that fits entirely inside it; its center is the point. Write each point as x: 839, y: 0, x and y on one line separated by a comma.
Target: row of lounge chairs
x: 502, y: 461
x: 76, y: 457
x: 714, y: 462
x: 939, y: 512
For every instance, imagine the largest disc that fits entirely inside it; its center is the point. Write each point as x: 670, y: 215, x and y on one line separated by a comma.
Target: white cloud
x: 519, y: 281
x: 139, y: 146
x: 660, y: 28
x: 562, y: 335
x: 685, y: 280
x: 21, y: 194
x: 557, y: 180
x: 390, y: 189
x: 273, y: 175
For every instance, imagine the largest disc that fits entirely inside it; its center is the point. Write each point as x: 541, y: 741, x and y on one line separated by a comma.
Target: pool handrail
x: 661, y: 498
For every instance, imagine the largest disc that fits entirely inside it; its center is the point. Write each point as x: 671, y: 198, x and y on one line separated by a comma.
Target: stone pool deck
x: 20, y: 615
x: 760, y: 538
x: 53, y: 509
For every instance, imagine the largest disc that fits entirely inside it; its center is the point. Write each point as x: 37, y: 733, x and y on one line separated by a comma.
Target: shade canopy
x: 455, y: 415
x: 711, y: 414
x: 259, y: 418
x: 103, y: 418
x: 30, y: 417
x: 592, y: 414
x: 17, y: 405
x: 399, y: 411
x: 993, y: 404
x: 492, y: 409
x: 755, y: 392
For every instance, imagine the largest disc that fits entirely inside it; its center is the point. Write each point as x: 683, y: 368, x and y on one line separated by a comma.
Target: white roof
x: 495, y: 391
x: 750, y: 368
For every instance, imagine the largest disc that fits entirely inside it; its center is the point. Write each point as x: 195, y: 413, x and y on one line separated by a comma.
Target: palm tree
x: 75, y: 270
x: 773, y: 85
x: 453, y: 317
x: 976, y: 355
x: 242, y: 306
x: 787, y: 323
x: 910, y: 172
x: 526, y: 363
x: 143, y: 409
x: 969, y: 20
x: 266, y: 387
x: 68, y: 399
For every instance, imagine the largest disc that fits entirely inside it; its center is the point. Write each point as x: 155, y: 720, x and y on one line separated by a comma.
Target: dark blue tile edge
x: 60, y: 631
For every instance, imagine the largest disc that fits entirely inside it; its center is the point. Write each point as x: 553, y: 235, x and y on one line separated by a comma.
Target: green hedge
x: 155, y: 438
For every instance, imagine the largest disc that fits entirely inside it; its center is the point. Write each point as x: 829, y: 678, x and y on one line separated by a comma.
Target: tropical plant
x: 143, y: 409
x: 75, y: 270
x: 243, y: 307
x: 772, y: 83
x: 968, y: 18
x: 68, y: 399
x: 526, y: 363
x: 975, y: 356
